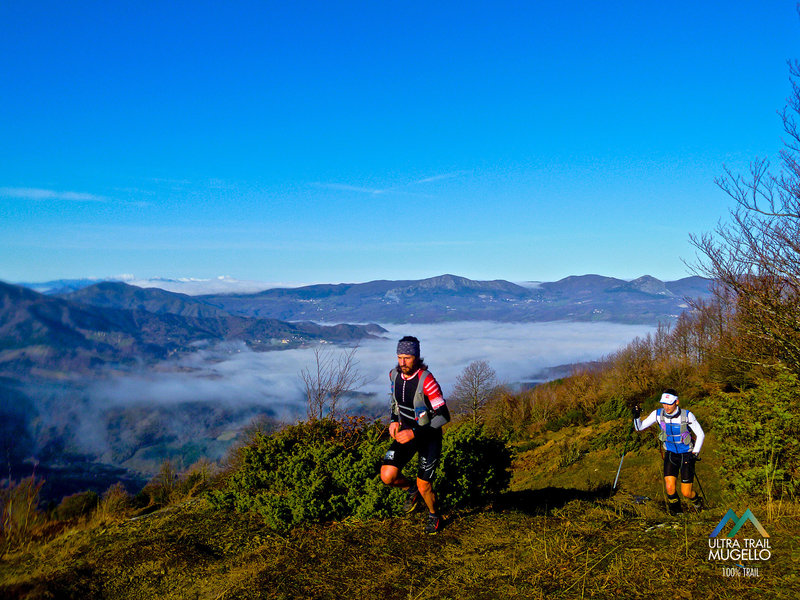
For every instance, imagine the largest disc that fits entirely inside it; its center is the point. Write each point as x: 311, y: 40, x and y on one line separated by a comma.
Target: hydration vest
x: 421, y: 410
x: 685, y: 435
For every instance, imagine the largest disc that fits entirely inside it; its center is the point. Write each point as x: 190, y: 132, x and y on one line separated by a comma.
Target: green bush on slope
x: 76, y: 505
x: 326, y: 470
x: 474, y: 466
x: 312, y: 471
x: 758, y: 435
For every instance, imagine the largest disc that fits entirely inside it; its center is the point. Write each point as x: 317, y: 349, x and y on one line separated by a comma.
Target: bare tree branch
x: 474, y: 388
x: 754, y: 258
x: 328, y: 380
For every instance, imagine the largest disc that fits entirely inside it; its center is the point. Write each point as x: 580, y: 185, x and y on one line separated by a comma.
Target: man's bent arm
x: 440, y: 414
x: 642, y: 425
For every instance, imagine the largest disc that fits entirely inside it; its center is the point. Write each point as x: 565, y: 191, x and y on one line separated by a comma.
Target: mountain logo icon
x: 738, y: 523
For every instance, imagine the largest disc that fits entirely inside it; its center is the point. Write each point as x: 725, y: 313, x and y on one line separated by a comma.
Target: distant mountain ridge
x: 192, y: 286
x: 115, y: 323
x: 114, y: 294
x: 452, y: 298
x: 645, y: 300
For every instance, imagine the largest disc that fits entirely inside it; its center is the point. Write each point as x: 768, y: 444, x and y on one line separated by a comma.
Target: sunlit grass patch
x: 601, y: 548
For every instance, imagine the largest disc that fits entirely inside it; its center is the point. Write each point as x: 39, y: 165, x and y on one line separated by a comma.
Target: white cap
x: 668, y: 398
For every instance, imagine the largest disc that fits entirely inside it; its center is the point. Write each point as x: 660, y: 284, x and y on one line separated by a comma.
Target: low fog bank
x: 197, y: 406
x: 517, y: 351
x: 234, y: 375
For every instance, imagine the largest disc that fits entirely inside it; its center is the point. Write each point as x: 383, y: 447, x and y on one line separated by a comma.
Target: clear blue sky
x: 348, y: 141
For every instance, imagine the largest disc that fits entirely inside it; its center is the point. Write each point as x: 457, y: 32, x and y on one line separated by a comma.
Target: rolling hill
x: 52, y: 337
x: 451, y: 298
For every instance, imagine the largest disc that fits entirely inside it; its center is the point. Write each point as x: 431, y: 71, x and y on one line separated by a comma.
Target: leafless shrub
x: 327, y: 381
x: 115, y: 502
x: 755, y: 257
x: 475, y: 386
x: 19, y: 511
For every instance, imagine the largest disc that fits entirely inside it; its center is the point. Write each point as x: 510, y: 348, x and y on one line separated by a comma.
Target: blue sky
x: 349, y: 141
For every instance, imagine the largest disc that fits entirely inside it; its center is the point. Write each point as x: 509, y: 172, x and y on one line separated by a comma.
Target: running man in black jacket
x: 418, y: 413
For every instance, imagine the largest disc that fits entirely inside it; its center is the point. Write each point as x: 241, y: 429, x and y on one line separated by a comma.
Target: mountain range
x: 644, y: 300
x: 436, y: 299
x: 81, y: 329
x: 114, y: 323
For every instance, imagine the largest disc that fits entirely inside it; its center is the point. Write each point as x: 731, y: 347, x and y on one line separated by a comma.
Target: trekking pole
x: 700, y: 485
x: 624, y: 451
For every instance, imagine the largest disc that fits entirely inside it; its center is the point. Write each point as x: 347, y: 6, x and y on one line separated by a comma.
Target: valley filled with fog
x: 198, y: 405
x: 232, y: 374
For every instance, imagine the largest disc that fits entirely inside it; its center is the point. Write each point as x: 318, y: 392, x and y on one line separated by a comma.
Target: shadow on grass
x: 539, y: 502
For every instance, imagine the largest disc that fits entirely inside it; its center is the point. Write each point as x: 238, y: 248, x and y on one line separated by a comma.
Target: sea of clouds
x: 233, y: 374
x: 221, y: 389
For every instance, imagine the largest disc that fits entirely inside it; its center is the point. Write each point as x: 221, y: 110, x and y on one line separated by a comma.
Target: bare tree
x: 755, y: 258
x: 328, y: 380
x: 474, y: 388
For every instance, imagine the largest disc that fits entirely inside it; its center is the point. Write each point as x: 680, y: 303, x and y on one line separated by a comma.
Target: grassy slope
x: 567, y: 541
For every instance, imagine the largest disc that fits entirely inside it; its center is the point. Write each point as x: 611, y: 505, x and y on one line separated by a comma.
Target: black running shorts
x: 675, y: 463
x: 427, y: 443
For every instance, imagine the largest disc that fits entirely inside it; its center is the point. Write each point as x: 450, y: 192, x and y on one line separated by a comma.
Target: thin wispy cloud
x: 452, y: 175
x: 398, y: 189
x: 164, y: 180
x: 43, y: 194
x: 343, y: 187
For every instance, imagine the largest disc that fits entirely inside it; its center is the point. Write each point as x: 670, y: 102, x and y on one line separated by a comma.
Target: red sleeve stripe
x: 431, y: 388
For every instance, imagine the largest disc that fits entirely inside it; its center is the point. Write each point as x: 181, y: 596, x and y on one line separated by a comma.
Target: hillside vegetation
x: 569, y: 540
x: 558, y: 530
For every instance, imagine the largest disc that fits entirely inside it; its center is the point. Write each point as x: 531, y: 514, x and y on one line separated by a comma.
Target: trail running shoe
x: 433, y: 524
x: 674, y: 507
x: 412, y: 499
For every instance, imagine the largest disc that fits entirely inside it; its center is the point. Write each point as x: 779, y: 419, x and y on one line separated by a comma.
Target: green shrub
x: 326, y: 470
x: 612, y: 409
x: 475, y: 465
x: 313, y: 471
x: 568, y: 454
x: 574, y: 416
x: 76, y: 505
x: 528, y: 444
x: 758, y: 432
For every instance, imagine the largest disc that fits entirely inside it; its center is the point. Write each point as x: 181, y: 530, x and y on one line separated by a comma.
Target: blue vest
x: 676, y: 436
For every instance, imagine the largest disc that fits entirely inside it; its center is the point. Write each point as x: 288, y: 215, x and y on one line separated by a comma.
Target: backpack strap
x: 393, y: 402
x: 421, y: 410
x: 421, y: 413
x: 686, y: 436
x: 662, y: 425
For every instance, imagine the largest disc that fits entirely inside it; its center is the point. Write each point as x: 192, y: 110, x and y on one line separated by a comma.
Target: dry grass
x: 592, y: 548
x: 568, y: 540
